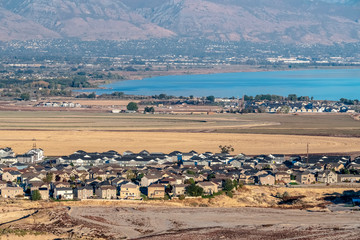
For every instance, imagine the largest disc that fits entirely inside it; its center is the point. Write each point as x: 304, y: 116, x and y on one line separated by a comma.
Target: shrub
x: 35, y: 195
x: 285, y: 195
x: 229, y: 194
x: 182, y: 197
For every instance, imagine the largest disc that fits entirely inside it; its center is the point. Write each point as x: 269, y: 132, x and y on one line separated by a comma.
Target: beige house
x: 209, y: 187
x: 83, y: 192
x: 305, y: 178
x: 282, y: 177
x: 106, y: 192
x: 266, y: 179
x: 179, y: 189
x: 3, y: 184
x: 348, y: 178
x: 11, y: 192
x: 327, y: 177
x: 149, y: 179
x: 10, y: 176
x: 38, y: 185
x: 156, y: 191
x: 44, y: 193
x: 129, y: 191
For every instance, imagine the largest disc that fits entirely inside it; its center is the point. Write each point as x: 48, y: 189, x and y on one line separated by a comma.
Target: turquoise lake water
x: 321, y: 84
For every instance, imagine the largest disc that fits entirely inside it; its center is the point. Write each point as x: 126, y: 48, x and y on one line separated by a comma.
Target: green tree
x: 189, y: 181
x: 35, y: 195
x: 210, y: 99
x: 92, y: 95
x: 149, y: 110
x: 48, y: 178
x: 139, y: 176
x: 162, y: 96
x: 292, y: 97
x: 132, y: 106
x: 25, y: 96
x: 194, y: 190
x: 210, y: 176
x: 228, y: 185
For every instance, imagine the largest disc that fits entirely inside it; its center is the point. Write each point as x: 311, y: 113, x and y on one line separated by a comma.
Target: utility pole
x: 34, y: 143
x: 307, y: 153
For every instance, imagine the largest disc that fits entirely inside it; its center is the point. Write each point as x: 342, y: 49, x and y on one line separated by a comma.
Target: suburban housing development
x: 111, y: 175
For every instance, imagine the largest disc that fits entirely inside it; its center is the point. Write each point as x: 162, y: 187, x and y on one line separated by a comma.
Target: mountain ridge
x: 284, y: 21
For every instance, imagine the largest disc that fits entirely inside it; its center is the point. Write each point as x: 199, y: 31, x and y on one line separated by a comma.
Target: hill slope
x: 287, y: 21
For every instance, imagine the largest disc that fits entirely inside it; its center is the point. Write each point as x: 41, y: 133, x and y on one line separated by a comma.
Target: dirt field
x: 218, y: 218
x: 61, y: 133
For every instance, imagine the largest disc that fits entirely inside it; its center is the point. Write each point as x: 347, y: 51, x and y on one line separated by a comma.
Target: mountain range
x: 285, y: 21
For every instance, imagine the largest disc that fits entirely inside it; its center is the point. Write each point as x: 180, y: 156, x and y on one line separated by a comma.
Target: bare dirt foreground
x: 253, y: 213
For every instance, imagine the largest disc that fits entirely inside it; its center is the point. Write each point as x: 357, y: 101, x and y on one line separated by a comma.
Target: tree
x: 228, y: 185
x: 194, y: 190
x: 210, y: 176
x: 140, y: 176
x: 48, y: 178
x: 149, y: 110
x: 210, y: 99
x: 162, y: 96
x: 132, y: 106
x: 25, y: 96
x: 35, y: 195
x: 292, y: 97
x: 189, y: 181
x: 226, y: 149
x: 91, y: 95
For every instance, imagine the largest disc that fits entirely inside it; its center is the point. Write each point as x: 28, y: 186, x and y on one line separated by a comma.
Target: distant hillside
x: 13, y: 26
x: 87, y: 19
x: 286, y: 21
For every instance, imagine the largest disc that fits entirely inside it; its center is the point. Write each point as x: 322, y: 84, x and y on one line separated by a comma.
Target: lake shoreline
x: 141, y: 75
x: 320, y: 83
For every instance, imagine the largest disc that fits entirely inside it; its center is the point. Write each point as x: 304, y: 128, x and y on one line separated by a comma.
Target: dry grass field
x: 61, y: 133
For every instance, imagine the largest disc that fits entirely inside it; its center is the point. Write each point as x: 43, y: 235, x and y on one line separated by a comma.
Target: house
x: 37, y: 185
x: 282, y: 177
x: 11, y: 192
x: 149, y: 179
x: 3, y: 184
x: 60, y: 185
x: 209, y: 187
x: 44, y: 193
x: 348, y: 178
x: 129, y: 191
x: 327, y: 177
x: 305, y: 177
x: 156, y: 191
x: 106, y: 192
x: 266, y: 179
x: 179, y: 189
x: 11, y: 176
x: 6, y: 152
x: 63, y: 193
x: 83, y: 192
x: 38, y: 154
x: 26, y: 158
